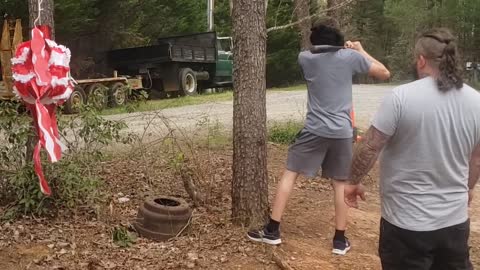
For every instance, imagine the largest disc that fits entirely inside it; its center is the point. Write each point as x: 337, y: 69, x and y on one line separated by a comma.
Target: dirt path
x: 308, y: 224
x: 280, y: 106
x: 307, y: 229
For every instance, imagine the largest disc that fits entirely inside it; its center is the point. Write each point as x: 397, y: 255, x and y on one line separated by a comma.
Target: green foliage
x: 387, y: 28
x: 72, y: 186
x: 284, y: 132
x: 75, y: 17
x: 408, y: 18
x: 122, y: 237
x: 222, y: 19
x: 73, y: 180
x: 282, y: 54
x: 14, y: 9
x: 15, y: 129
x: 160, y: 104
x: 136, y: 99
x: 282, y: 46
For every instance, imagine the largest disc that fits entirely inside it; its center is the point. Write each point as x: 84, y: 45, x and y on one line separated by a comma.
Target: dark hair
x: 325, y: 32
x: 440, y: 49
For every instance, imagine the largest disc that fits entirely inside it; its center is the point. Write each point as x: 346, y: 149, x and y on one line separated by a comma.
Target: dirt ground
x: 84, y: 241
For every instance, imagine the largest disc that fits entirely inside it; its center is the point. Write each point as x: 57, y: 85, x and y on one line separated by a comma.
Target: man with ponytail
x: 428, y: 132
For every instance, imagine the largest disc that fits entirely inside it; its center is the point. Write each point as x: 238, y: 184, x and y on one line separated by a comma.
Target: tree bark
x: 46, y: 18
x: 46, y: 15
x: 302, y: 10
x: 334, y: 13
x: 250, y: 177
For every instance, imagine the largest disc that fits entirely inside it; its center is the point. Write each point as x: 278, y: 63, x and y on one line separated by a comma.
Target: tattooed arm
x: 474, y: 172
x: 366, y: 154
x: 474, y: 168
x: 367, y: 151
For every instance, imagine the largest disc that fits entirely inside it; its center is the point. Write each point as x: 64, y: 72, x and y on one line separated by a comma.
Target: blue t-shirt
x: 329, y: 83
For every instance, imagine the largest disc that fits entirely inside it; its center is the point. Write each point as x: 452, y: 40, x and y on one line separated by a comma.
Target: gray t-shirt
x: 329, y: 84
x: 424, y: 166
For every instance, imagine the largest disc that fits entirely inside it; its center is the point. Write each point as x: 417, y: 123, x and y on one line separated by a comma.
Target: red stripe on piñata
x: 40, y: 72
x: 37, y: 164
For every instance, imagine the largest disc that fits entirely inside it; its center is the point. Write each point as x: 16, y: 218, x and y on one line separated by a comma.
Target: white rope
x: 39, y: 17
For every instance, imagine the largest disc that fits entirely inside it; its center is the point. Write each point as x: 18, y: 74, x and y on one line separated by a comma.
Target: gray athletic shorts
x: 311, y: 153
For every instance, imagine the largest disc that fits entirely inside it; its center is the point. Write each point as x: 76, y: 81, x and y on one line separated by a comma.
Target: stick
x: 282, y: 264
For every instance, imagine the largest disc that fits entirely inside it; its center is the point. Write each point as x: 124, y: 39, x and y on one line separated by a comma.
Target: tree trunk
x: 336, y: 13
x: 46, y: 15
x: 250, y: 177
x: 302, y: 10
x: 46, y: 18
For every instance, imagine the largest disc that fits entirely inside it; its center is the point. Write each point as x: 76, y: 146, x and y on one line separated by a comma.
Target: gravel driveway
x: 280, y: 106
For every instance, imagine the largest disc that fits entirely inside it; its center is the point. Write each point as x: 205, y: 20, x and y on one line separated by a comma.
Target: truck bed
x: 198, y: 48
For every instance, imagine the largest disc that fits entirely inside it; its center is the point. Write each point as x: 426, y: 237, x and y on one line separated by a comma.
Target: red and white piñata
x: 41, y: 79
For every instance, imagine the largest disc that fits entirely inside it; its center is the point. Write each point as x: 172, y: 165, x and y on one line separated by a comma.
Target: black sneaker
x: 264, y: 236
x: 341, y: 247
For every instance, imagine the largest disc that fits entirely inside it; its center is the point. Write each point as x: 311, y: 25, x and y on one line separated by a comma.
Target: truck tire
x: 188, y: 82
x: 76, y: 100
x: 97, y: 96
x: 117, y: 94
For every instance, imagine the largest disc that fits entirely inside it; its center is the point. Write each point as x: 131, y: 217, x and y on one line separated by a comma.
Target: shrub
x: 284, y: 132
x: 73, y: 179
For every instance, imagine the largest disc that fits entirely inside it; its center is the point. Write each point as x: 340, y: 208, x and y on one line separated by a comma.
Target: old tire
x: 76, y: 100
x: 162, y: 223
x: 97, y: 96
x: 144, y: 232
x: 188, y: 82
x: 162, y: 218
x: 117, y: 94
x: 167, y: 205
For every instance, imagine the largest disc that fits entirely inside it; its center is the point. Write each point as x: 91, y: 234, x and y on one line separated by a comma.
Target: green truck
x: 182, y: 65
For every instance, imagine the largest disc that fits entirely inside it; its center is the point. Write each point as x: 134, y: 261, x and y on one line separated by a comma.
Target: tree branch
x: 345, y: 3
x: 279, y: 261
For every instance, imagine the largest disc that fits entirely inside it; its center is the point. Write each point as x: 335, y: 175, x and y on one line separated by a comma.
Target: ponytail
x: 439, y: 47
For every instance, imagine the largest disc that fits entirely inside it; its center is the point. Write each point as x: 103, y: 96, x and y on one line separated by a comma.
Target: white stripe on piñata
x: 23, y: 78
x: 22, y: 58
x: 49, y: 141
x: 58, y: 59
x: 53, y: 44
x: 47, y: 101
x: 15, y: 91
x: 59, y: 81
x: 40, y: 83
x: 65, y: 95
x: 62, y: 145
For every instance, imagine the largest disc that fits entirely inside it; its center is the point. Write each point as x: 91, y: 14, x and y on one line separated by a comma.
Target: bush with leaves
x: 284, y: 132
x: 74, y: 182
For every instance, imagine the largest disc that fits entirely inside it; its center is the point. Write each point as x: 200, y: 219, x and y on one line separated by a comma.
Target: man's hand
x: 352, y: 192
x: 355, y: 45
x: 377, y: 70
x: 470, y: 197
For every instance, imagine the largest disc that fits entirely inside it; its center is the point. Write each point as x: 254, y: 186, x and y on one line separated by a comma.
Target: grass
x: 297, y: 87
x: 284, y: 132
x: 153, y: 105
x: 279, y: 132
